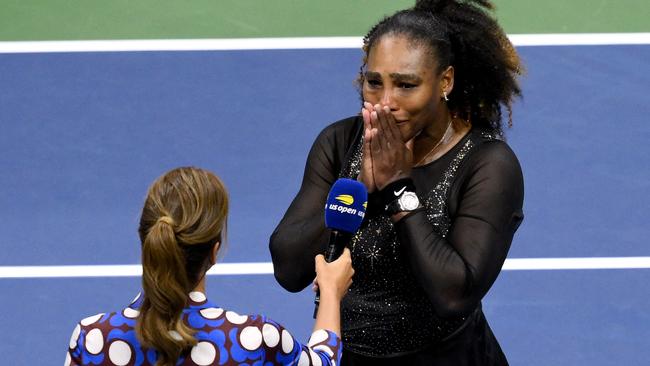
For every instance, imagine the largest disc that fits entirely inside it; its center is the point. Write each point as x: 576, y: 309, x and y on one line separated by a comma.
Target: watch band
x: 400, y: 196
x: 407, y: 202
x: 395, y: 189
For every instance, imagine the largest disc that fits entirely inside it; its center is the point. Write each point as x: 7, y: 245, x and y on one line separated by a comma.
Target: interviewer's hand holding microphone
x: 345, y: 209
x: 332, y: 282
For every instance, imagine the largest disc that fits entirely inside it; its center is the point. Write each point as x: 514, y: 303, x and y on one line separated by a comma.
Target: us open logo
x: 346, y: 200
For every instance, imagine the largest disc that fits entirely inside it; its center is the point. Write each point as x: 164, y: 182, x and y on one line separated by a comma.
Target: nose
x: 388, y: 99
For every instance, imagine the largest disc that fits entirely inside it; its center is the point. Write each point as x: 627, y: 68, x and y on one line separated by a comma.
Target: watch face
x: 409, y: 201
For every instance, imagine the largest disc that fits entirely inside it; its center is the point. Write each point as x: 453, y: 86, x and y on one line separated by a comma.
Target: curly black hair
x: 464, y: 35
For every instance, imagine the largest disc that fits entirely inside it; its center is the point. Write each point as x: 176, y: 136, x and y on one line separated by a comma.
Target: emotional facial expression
x: 402, y: 75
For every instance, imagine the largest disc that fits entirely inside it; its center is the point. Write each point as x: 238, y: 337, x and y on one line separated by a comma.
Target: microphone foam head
x: 346, y: 205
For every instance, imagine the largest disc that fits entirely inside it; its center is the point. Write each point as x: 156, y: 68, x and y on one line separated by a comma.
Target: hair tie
x: 167, y: 220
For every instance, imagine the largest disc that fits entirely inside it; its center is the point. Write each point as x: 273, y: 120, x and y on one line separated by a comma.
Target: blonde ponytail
x: 182, y: 219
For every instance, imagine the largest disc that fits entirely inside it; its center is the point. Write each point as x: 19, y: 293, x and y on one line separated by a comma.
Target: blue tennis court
x: 84, y: 134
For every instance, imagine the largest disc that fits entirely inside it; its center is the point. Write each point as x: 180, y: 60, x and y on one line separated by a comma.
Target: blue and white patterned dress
x: 224, y: 338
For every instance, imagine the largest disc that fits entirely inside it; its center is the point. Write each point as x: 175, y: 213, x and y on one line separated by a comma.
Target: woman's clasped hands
x: 386, y: 157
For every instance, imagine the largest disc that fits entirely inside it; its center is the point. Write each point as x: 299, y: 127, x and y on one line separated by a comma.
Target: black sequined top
x: 420, y: 281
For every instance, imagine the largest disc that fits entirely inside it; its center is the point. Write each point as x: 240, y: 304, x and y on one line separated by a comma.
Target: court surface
x: 84, y: 134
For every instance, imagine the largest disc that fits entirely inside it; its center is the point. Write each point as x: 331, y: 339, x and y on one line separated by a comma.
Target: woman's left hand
x: 392, y: 158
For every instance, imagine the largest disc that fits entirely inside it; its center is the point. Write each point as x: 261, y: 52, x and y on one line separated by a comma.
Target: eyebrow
x: 396, y: 76
x: 405, y: 77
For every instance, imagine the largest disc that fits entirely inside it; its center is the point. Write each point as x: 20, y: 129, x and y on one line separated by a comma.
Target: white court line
x: 579, y: 39
x: 126, y: 270
x: 533, y: 264
x: 265, y: 268
x: 234, y: 44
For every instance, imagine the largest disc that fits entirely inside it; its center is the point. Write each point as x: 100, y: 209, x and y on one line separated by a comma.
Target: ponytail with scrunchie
x: 183, y: 218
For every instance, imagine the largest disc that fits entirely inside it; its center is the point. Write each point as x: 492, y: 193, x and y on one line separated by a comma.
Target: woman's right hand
x: 334, y: 278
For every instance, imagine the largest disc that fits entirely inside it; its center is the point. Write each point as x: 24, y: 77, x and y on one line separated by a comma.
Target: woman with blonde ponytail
x: 172, y: 322
x: 445, y: 189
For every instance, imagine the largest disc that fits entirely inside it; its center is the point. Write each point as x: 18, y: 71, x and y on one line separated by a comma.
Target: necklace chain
x: 442, y: 138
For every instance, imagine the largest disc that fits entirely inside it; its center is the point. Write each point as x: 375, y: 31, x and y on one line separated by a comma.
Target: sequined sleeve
x: 301, y: 233
x: 457, y: 270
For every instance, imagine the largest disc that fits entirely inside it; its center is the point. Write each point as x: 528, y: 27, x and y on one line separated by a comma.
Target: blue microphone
x: 344, y: 211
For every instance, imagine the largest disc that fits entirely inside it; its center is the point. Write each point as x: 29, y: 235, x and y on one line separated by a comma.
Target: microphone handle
x: 335, y: 246
x: 338, y: 241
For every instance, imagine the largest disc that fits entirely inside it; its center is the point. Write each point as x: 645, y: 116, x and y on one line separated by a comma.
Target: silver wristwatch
x: 406, y: 201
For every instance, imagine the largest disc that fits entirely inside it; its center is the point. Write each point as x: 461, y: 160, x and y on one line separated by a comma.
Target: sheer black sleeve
x: 301, y: 233
x: 486, y: 209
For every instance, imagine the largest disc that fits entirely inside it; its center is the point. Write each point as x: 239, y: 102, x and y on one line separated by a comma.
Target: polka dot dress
x: 223, y: 338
